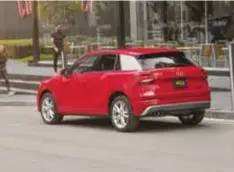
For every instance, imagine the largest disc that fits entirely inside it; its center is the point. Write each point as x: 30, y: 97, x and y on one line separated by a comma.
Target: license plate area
x: 180, y: 83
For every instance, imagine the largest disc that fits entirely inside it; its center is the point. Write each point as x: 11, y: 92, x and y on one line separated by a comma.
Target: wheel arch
x: 113, y: 96
x: 41, y: 95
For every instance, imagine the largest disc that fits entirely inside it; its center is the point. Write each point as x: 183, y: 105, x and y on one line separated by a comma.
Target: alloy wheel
x: 120, y: 114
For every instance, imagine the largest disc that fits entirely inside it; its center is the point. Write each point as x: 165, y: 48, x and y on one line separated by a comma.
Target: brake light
x: 146, y: 81
x: 204, y: 73
x: 146, y: 78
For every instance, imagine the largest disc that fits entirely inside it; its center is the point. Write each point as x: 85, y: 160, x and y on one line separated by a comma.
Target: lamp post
x: 36, y: 47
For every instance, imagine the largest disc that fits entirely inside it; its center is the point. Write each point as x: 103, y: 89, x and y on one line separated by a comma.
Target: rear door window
x: 106, y: 62
x: 164, y: 60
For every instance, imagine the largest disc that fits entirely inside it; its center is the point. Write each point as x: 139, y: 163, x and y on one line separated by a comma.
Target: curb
x: 219, y: 89
x: 47, y: 65
x: 17, y: 103
x: 220, y: 114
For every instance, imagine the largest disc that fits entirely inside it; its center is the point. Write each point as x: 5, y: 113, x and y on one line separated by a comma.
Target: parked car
x: 126, y: 85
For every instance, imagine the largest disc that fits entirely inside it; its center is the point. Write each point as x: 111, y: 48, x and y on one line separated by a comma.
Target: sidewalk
x: 15, y: 67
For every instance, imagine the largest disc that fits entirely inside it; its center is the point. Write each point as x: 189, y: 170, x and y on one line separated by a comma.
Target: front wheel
x: 193, y: 118
x: 48, y: 110
x: 122, y: 116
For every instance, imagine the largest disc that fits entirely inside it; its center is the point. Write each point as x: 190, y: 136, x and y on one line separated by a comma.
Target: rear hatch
x: 175, y: 77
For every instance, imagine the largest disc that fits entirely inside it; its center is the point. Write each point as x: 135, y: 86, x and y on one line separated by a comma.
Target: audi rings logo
x: 24, y: 8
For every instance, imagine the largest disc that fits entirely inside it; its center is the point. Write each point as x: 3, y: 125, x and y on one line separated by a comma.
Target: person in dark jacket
x: 58, y: 38
x: 3, y: 70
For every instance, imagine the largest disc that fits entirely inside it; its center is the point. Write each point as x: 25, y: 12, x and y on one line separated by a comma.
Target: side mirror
x: 64, y: 72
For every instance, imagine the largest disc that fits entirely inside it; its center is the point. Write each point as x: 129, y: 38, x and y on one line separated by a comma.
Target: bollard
x: 63, y: 60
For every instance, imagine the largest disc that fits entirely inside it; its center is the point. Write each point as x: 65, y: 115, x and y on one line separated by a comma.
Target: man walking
x: 58, y: 38
x: 3, y: 70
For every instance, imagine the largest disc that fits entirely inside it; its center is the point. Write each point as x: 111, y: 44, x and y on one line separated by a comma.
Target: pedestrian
x: 58, y: 39
x: 3, y: 70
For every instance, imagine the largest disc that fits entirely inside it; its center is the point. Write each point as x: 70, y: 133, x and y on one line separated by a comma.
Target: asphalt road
x: 91, y: 145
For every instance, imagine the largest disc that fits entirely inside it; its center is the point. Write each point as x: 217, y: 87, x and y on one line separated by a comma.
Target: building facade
x: 12, y: 25
x: 157, y: 20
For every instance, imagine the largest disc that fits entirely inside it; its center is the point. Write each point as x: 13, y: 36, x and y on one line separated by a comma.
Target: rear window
x: 163, y: 60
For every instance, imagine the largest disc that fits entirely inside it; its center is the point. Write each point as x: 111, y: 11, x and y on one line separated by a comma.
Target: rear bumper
x: 176, y: 108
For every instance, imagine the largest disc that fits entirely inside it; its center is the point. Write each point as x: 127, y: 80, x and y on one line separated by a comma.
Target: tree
x: 197, y: 9
x: 58, y: 12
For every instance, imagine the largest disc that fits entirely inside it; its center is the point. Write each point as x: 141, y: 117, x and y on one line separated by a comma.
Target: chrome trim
x: 176, y: 106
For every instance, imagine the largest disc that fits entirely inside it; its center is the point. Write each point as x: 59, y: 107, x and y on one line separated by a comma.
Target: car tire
x: 193, y: 118
x: 122, y: 115
x: 48, y: 110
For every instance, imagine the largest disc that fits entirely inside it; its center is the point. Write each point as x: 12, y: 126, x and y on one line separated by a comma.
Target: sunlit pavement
x: 88, y: 144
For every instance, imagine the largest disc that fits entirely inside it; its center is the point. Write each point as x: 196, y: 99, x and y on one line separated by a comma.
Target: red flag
x: 25, y: 8
x: 87, y: 5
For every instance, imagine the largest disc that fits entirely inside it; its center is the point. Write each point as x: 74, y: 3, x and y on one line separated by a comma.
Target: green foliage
x: 19, y: 42
x: 197, y: 9
x: 18, y: 48
x: 58, y: 12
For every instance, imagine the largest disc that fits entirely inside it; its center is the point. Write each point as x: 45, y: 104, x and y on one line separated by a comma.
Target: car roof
x: 136, y: 51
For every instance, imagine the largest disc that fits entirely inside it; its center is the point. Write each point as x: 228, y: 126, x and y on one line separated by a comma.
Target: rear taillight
x: 146, y: 81
x: 146, y: 78
x: 204, y: 73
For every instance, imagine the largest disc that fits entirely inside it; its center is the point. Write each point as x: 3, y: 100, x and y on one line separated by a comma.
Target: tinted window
x: 105, y: 63
x: 84, y: 65
x: 163, y: 60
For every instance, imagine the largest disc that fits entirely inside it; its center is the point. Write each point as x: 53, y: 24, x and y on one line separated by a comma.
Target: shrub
x: 18, y: 48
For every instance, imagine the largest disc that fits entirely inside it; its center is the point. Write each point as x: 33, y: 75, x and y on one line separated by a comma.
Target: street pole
x: 36, y: 47
x: 182, y: 20
x: 121, y: 25
x: 206, y: 23
x: 231, y: 68
x: 165, y: 21
x: 145, y: 21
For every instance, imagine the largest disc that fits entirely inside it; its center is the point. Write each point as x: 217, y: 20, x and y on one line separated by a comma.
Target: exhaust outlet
x: 159, y: 114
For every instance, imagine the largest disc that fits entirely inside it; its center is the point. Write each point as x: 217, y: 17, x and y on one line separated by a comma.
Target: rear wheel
x: 122, y: 116
x: 192, y: 118
x: 48, y: 110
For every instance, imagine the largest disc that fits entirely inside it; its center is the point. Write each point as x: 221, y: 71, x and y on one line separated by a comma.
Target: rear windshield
x: 163, y: 60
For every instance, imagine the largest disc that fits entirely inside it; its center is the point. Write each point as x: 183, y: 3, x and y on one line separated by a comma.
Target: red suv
x: 126, y: 85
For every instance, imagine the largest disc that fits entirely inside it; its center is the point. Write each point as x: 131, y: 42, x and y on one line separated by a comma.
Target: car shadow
x: 146, y: 125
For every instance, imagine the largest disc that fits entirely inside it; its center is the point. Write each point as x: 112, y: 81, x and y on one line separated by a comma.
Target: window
x: 129, y: 63
x: 105, y: 63
x: 163, y: 60
x: 85, y: 64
